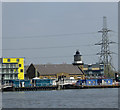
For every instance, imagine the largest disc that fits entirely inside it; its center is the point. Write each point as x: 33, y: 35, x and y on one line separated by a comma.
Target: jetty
x: 58, y: 87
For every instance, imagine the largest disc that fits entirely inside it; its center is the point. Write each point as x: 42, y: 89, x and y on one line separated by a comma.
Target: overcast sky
x: 51, y: 32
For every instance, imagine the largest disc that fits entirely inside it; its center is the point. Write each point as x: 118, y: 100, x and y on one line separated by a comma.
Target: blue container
x: 42, y: 82
x: 19, y: 83
x: 107, y: 81
x: 91, y: 82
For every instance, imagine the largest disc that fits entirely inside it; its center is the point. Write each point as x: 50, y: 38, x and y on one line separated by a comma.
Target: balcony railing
x: 10, y: 66
x: 10, y: 72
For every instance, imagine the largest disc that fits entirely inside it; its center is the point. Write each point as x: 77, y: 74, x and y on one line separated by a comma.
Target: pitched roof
x: 26, y: 67
x: 57, y: 68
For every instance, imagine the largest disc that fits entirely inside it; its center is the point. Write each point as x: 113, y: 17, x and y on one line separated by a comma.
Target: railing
x: 10, y: 66
x: 65, y: 82
x: 9, y: 72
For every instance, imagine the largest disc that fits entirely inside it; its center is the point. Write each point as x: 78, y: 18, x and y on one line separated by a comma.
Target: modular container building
x: 94, y: 82
x: 42, y: 82
x: 91, y: 82
x: 20, y: 83
x: 81, y: 82
x: 107, y: 81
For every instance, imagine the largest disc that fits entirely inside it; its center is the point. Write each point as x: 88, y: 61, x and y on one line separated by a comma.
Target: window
x: 102, y: 66
x: 79, y: 77
x: 102, y: 72
x: 15, y: 76
x: 17, y: 60
x: 0, y: 70
x: 4, y: 65
x: 21, y: 70
x: 8, y: 60
x: 6, y: 76
x: 11, y: 70
x: 90, y: 72
x: 11, y: 76
x: 7, y: 70
x: 19, y: 65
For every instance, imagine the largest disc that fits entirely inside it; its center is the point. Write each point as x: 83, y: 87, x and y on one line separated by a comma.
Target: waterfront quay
x: 57, y: 87
x: 35, y: 77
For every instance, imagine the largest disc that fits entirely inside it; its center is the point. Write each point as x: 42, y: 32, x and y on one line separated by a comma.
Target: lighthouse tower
x: 77, y: 59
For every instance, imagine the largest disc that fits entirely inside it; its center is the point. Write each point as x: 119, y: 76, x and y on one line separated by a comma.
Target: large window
x: 3, y: 70
x: 6, y: 76
x: 4, y: 65
x: 19, y: 65
x: 21, y: 70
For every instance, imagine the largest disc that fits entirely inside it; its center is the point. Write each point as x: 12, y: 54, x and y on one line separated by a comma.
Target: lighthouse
x: 78, y: 59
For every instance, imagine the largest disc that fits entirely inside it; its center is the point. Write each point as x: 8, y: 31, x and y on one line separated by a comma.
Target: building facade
x: 94, y: 70
x: 54, y: 71
x: 11, y: 68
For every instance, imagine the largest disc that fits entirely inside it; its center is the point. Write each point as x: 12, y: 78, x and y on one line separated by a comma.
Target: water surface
x: 77, y: 98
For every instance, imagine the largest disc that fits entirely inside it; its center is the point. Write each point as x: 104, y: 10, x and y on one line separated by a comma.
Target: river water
x: 77, y: 98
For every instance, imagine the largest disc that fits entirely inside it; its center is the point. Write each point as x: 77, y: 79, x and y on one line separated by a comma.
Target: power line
x: 47, y: 36
x: 58, y: 56
x: 69, y: 46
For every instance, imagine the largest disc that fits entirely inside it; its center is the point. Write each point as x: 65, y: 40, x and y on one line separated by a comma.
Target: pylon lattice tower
x: 105, y: 53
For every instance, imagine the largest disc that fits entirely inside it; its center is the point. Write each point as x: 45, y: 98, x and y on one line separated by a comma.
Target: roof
x: 45, y: 69
x: 26, y: 67
x: 97, y: 65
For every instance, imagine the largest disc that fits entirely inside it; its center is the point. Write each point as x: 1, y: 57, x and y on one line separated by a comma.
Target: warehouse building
x: 76, y: 70
x: 11, y: 68
x: 56, y: 71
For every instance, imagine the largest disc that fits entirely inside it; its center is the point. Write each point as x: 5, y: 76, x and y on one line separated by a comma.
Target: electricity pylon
x: 105, y: 53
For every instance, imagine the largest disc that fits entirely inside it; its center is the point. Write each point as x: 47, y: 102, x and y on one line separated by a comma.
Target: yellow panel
x: 21, y: 74
x: 95, y: 68
x: 14, y: 60
x: 85, y: 68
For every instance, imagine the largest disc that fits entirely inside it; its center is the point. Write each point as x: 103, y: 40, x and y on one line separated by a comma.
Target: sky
x: 52, y: 32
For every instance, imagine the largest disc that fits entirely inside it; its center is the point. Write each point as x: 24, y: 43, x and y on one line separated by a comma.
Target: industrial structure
x: 94, y: 70
x: 76, y: 70
x: 11, y: 68
x: 105, y: 53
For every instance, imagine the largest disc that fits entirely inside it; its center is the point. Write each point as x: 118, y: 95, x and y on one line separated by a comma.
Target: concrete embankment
x: 57, y: 87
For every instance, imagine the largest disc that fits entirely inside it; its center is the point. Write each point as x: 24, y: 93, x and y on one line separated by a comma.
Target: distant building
x: 93, y: 69
x: 11, y: 68
x: 76, y: 70
x: 54, y: 71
